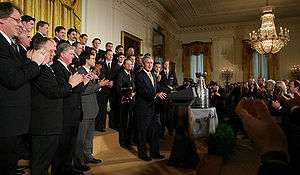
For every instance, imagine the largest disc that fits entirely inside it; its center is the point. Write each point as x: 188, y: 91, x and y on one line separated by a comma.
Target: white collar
x: 71, y: 42
x: 57, y: 38
x: 127, y: 72
x: 147, y: 72
x: 23, y: 47
x: 87, y: 69
x: 42, y: 34
x: 6, y: 37
x: 64, y: 64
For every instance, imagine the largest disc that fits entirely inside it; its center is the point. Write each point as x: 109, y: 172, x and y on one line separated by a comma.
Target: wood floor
x: 120, y: 161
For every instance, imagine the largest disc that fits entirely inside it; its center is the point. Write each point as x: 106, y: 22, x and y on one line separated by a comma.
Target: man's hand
x: 260, y: 126
x: 161, y: 95
x: 103, y: 82
x: 38, y: 56
x: 75, y: 79
x: 276, y: 104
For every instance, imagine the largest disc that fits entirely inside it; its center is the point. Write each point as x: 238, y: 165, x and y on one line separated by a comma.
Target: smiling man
x: 15, y: 74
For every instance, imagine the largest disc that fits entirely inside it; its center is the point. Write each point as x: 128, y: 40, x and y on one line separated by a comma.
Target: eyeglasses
x: 18, y: 20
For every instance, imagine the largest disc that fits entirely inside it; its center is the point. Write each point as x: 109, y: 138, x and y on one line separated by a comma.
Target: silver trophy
x: 202, y: 99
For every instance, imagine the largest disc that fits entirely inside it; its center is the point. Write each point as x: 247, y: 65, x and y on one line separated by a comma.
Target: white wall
x: 107, y: 18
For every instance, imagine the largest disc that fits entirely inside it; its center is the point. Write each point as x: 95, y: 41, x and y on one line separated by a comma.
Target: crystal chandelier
x: 266, y: 40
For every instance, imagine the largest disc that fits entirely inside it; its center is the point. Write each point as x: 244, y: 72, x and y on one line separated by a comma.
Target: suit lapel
x: 148, y: 81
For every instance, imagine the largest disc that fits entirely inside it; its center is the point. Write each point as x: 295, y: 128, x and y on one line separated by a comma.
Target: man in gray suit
x: 84, y: 146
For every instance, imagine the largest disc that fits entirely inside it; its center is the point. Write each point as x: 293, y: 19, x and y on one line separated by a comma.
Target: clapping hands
x: 260, y: 125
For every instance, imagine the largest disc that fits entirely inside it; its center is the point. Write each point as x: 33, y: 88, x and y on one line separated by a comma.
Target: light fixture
x: 266, y: 40
x: 227, y: 74
x: 295, y: 71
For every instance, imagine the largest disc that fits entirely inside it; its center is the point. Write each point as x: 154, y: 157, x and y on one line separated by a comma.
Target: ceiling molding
x: 195, y: 13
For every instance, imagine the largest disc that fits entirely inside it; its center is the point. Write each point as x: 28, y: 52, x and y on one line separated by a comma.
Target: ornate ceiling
x: 192, y: 13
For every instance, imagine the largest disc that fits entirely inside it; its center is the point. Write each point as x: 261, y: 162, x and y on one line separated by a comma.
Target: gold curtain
x: 273, y: 63
x: 196, y: 48
x: 247, y: 65
x: 56, y: 12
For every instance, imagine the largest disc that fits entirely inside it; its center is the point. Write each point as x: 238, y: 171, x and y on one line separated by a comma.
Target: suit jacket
x: 170, y: 80
x: 86, y: 49
x: 89, y: 98
x: 58, y: 42
x: 108, y: 74
x: 47, y: 103
x: 123, y: 84
x: 34, y: 38
x: 137, y: 68
x: 145, y: 93
x: 15, y: 74
x: 72, y: 107
x: 100, y: 56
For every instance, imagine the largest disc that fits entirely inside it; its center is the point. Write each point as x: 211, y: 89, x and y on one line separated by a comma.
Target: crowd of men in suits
x: 56, y: 92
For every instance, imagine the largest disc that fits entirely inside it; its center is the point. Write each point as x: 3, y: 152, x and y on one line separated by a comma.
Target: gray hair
x: 63, y: 47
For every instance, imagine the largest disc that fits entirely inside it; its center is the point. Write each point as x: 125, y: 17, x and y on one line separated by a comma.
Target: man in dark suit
x: 168, y: 76
x: 76, y: 62
x: 100, y: 53
x: 42, y: 31
x: 125, y: 98
x: 148, y: 123
x: 15, y: 74
x: 108, y: 72
x: 83, y: 40
x: 72, y: 111
x: 59, y: 35
x: 46, y: 123
x: 71, y: 34
x: 168, y: 83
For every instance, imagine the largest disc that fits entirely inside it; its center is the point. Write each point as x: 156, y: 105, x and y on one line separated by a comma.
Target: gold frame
x: 132, y: 37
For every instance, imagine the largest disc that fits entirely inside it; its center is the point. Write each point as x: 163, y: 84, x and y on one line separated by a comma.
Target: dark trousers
x: 84, y: 143
x: 43, y: 148
x: 62, y: 163
x: 100, y: 122
x: 126, y: 124
x: 24, y: 147
x: 8, y: 155
x: 167, y: 118
x: 148, y: 133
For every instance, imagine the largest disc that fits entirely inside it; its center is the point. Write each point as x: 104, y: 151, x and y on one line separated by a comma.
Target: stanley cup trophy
x: 202, y: 99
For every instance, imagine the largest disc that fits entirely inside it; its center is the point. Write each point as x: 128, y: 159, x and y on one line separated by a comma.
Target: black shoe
x: 20, y: 172
x: 81, y: 167
x: 101, y: 130
x: 145, y: 157
x: 94, y: 161
x: 76, y: 172
x: 126, y: 146
x: 157, y: 156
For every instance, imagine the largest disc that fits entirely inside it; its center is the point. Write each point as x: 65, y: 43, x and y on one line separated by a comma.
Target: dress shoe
x: 81, y: 167
x: 157, y: 156
x: 75, y: 172
x: 20, y: 172
x: 145, y: 157
x: 94, y: 160
x: 101, y: 130
x: 126, y: 146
